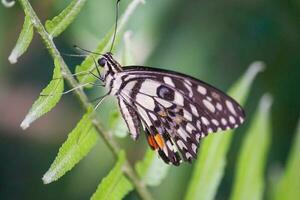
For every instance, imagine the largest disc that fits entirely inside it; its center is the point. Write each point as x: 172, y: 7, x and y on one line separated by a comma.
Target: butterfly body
x: 175, y: 110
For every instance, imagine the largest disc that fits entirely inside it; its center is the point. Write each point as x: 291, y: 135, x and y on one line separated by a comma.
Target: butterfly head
x: 109, y: 65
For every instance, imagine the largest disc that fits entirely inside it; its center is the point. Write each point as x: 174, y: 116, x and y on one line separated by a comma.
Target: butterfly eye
x: 102, y: 62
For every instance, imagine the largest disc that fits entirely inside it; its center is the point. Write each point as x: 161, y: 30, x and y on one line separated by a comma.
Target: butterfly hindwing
x: 131, y: 118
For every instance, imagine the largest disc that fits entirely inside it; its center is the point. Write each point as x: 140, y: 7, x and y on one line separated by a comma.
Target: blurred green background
x: 214, y: 41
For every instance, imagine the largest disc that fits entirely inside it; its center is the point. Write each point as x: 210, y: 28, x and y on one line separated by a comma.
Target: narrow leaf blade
x: 60, y: 22
x: 79, y: 142
x: 288, y: 186
x: 249, y: 177
x: 115, y: 185
x: 48, y: 98
x: 23, y: 41
x: 127, y: 58
x: 88, y: 64
x: 209, y: 167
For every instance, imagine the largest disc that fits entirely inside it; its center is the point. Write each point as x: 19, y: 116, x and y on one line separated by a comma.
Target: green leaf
x: 79, y: 142
x: 152, y: 170
x: 59, y: 23
x: 115, y: 185
x: 289, y: 184
x: 127, y: 58
x: 249, y: 177
x: 88, y: 64
x: 209, y: 168
x: 117, y: 125
x: 48, y: 98
x: 23, y: 41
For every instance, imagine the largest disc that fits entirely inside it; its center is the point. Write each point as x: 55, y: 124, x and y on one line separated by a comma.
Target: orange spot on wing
x: 151, y: 142
x: 159, y: 140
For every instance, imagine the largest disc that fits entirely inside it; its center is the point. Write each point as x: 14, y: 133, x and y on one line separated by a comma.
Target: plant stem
x: 81, y: 96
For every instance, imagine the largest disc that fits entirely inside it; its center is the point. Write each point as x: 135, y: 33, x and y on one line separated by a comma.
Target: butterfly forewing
x: 176, y: 109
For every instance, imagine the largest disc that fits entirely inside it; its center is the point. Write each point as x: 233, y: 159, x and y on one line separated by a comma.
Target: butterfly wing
x: 177, y: 110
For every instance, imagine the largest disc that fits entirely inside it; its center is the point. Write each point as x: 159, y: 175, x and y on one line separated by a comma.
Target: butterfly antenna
x: 116, y: 25
x: 73, y: 55
x: 85, y: 50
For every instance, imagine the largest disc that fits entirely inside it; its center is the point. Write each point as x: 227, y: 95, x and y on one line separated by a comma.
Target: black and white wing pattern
x: 176, y: 110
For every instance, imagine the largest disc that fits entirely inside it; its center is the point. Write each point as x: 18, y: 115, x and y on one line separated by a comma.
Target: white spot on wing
x: 169, y: 81
x: 241, y: 120
x: 215, y: 122
x: 194, y: 147
x: 128, y: 88
x: 170, y: 146
x: 153, y: 116
x: 149, y: 87
x: 144, y: 115
x: 145, y: 101
x: 188, y: 82
x: 187, y: 115
x: 182, y: 134
x: 188, y: 87
x: 201, y: 90
x: 198, y: 135
x: 190, y: 127
x: 223, y: 121
x: 164, y: 103
x: 219, y: 106
x: 178, y: 98
x: 230, y: 107
x: 204, y: 121
x: 209, y: 105
x: 188, y: 155
x: 181, y: 144
x: 232, y: 120
x: 194, y: 110
x: 198, y: 124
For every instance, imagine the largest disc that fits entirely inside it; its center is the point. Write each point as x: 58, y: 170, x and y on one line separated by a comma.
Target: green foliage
x: 80, y: 141
x: 88, y: 64
x: 127, y: 58
x: 152, y: 169
x: 60, y: 22
x: 115, y: 185
x: 23, y: 42
x: 48, y: 99
x: 116, y: 124
x: 209, y: 167
x: 288, y: 186
x: 249, y: 175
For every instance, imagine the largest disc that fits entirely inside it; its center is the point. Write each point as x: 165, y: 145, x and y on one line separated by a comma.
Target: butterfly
x: 175, y: 110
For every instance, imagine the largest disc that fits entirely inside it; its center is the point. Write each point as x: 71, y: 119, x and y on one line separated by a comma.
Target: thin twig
x: 81, y: 96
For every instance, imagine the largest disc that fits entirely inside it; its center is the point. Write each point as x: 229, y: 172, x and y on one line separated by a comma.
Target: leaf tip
x: 47, y: 178
x: 266, y: 102
x: 8, y: 3
x: 25, y: 123
x: 13, y: 58
x: 257, y: 66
